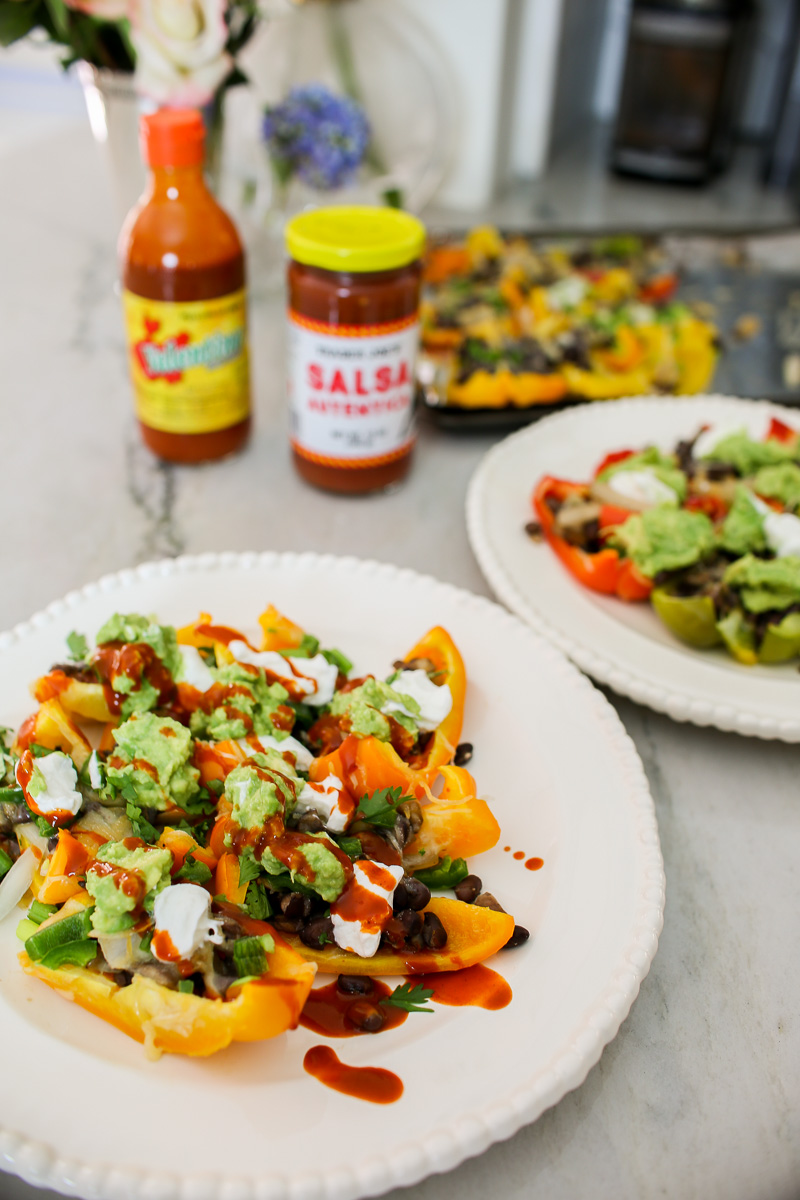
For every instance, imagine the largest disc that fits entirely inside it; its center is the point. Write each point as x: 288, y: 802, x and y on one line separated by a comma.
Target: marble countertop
x: 699, y: 1095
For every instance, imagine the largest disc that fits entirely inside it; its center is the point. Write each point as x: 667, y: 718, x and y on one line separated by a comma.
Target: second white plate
x: 623, y: 645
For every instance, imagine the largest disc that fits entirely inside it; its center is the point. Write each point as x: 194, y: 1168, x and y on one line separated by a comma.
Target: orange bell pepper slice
x: 215, y: 760
x: 366, y: 764
x: 226, y: 879
x: 439, y: 647
x: 66, y: 868
x: 279, y: 633
x: 456, y: 822
x: 605, y: 571
x: 204, y: 633
x: 445, y: 261
x: 51, y: 727
x: 171, y: 1022
x: 473, y: 935
x: 181, y: 844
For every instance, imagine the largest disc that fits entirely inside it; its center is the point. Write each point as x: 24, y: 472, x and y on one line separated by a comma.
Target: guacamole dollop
x: 665, y: 539
x: 155, y: 753
x: 367, y: 705
x: 248, y: 707
x: 114, y: 907
x: 131, y: 628
x: 747, y: 455
x: 780, y: 482
x: 765, y: 584
x: 743, y: 528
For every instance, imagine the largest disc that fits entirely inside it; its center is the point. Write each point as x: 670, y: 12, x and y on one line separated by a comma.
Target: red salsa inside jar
x: 354, y: 283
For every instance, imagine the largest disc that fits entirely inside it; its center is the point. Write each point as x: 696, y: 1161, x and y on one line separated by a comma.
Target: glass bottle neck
x: 175, y: 183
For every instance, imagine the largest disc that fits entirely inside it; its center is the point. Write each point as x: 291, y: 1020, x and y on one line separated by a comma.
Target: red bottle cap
x: 172, y: 137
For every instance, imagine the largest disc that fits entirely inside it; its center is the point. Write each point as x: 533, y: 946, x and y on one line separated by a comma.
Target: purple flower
x: 317, y: 135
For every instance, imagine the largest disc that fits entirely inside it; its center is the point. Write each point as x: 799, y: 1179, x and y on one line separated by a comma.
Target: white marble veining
x: 699, y: 1095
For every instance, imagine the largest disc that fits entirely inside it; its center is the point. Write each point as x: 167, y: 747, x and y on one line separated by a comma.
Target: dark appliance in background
x: 683, y: 81
x: 782, y: 150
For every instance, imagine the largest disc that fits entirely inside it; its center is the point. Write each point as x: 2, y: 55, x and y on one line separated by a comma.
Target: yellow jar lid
x: 355, y: 238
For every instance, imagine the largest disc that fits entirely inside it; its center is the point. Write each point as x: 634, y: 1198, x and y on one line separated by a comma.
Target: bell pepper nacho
x: 513, y: 323
x: 201, y: 821
x: 708, y: 533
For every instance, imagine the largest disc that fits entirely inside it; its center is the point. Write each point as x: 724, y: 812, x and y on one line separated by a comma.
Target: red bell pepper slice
x: 779, y: 432
x: 605, y: 571
x: 611, y: 460
x: 657, y: 290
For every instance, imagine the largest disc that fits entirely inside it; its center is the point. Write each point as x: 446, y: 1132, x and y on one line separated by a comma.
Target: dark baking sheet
x: 766, y: 365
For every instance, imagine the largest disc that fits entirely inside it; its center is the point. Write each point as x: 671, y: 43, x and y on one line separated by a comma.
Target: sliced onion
x: 16, y: 882
x: 31, y: 835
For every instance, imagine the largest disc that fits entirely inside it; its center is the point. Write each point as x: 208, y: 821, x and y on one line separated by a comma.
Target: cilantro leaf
x: 381, y: 807
x: 351, y: 846
x: 249, y: 869
x: 44, y: 827
x: 39, y: 751
x: 141, y: 826
x: 337, y: 659
x: 257, y: 902
x: 200, y: 804
x: 193, y: 871
x: 284, y: 883
x: 78, y: 646
x: 412, y: 999
x: 446, y: 874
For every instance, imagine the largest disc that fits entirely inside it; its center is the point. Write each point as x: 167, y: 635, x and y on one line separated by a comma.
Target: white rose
x: 180, y: 49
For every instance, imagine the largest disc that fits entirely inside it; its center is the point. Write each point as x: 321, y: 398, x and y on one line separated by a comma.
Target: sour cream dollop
x: 434, y: 700
x: 362, y: 936
x: 60, y: 777
x: 303, y: 757
x: 194, y: 669
x: 329, y: 801
x: 643, y: 487
x: 314, y: 677
x: 181, y: 911
x: 782, y: 531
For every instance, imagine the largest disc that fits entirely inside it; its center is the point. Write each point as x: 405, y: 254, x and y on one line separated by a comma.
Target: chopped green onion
x: 337, y: 659
x: 12, y: 795
x: 39, y: 912
x: 6, y: 863
x: 25, y: 928
x: 186, y: 986
x: 257, y: 902
x: 250, y: 955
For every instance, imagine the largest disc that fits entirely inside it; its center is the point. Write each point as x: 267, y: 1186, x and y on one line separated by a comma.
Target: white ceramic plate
x: 82, y: 1110
x: 623, y: 645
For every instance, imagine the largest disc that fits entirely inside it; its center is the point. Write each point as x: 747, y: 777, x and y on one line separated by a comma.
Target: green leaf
x: 393, y: 197
x: 446, y: 874
x: 307, y: 649
x: 351, y: 846
x: 6, y: 862
x: 216, y: 787
x: 381, y: 807
x: 39, y: 751
x: 411, y: 999
x: 44, y: 826
x: 78, y: 954
x: 201, y: 804
x: 76, y: 643
x: 337, y: 659
x: 17, y: 20
x: 141, y: 826
x: 193, y: 871
x: 39, y: 912
x: 283, y: 882
x: 257, y: 902
x: 60, y: 18
x: 249, y: 869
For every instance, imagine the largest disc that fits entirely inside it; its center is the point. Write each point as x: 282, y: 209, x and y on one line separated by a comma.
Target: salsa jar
x: 354, y: 284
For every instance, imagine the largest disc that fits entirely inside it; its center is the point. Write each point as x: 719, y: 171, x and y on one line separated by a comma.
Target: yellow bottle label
x: 189, y: 362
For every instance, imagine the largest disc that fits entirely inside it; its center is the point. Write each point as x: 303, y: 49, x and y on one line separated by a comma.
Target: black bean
x: 468, y: 889
x: 355, y: 985
x: 402, y: 927
x: 518, y: 937
x: 287, y: 924
x: 402, y: 830
x: 52, y: 843
x: 534, y: 531
x: 487, y: 900
x: 294, y: 904
x: 463, y: 754
x: 434, y: 934
x: 310, y: 823
x: 369, y: 1018
x: 317, y: 933
x: 411, y: 893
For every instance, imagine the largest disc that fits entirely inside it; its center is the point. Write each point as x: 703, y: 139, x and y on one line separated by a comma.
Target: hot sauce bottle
x: 354, y: 282
x: 183, y: 278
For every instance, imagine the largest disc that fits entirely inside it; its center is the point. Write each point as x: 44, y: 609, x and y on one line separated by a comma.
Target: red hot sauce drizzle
x: 333, y: 1013
x: 476, y: 987
x: 138, y: 662
x: 534, y: 864
x: 364, y: 1083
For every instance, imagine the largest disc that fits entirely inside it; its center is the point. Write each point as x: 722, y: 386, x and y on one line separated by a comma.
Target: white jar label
x: 351, y: 390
